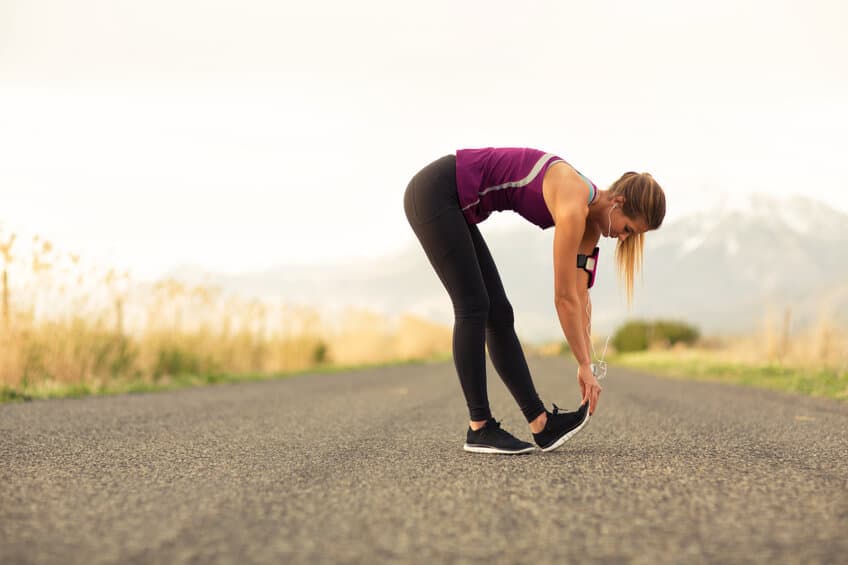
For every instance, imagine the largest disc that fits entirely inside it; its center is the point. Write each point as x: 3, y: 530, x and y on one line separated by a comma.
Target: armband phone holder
x: 589, y: 263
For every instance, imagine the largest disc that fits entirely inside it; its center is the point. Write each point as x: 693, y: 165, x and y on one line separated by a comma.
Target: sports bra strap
x: 591, y: 187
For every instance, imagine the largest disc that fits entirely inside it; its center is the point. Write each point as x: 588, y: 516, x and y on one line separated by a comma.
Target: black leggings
x: 483, y: 315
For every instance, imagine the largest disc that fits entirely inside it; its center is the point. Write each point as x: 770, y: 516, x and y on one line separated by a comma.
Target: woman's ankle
x: 538, y: 424
x: 477, y: 424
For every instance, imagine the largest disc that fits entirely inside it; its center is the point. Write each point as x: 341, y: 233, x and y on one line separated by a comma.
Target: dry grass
x: 822, y: 345
x: 812, y: 360
x: 66, y: 324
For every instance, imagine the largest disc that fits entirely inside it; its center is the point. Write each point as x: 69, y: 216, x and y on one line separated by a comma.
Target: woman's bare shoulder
x: 564, y: 191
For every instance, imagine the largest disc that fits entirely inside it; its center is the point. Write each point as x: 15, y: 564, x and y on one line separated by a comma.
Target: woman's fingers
x: 594, y: 394
x: 590, y: 390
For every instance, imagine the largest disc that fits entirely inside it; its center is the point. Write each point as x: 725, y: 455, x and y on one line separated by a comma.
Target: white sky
x: 242, y: 135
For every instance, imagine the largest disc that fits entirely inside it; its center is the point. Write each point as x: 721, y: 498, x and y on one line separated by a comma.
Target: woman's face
x: 620, y: 225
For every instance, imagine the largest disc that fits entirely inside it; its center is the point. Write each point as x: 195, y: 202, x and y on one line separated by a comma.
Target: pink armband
x: 589, y: 263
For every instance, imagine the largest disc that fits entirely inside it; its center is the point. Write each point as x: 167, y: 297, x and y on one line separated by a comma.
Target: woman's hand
x: 589, y: 387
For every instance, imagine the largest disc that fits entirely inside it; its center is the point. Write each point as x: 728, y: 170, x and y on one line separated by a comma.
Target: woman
x: 446, y: 199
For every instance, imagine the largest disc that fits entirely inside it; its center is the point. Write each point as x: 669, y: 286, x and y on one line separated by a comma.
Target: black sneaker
x: 492, y: 439
x: 561, y: 426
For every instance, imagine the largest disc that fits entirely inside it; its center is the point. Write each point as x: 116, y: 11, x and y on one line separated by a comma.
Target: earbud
x: 615, y: 205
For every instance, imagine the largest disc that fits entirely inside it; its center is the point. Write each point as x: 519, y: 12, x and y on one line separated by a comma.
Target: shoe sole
x: 487, y: 449
x: 567, y: 436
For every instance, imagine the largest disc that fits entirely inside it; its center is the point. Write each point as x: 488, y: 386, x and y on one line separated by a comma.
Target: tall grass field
x: 67, y: 328
x: 70, y: 328
x: 812, y: 361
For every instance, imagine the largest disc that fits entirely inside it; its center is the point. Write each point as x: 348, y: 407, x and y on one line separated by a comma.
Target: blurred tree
x: 638, y: 335
x: 632, y: 336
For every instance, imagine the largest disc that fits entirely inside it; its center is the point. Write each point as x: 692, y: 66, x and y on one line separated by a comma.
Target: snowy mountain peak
x: 797, y: 214
x: 733, y: 221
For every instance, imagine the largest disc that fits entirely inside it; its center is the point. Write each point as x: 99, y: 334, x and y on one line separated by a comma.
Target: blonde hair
x: 645, y: 200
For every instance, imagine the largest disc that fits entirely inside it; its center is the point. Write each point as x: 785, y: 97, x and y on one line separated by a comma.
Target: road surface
x: 368, y: 466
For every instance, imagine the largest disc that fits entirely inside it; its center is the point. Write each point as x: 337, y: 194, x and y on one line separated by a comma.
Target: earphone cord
x: 601, y: 366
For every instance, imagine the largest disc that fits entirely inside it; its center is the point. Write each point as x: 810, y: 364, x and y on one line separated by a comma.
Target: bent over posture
x: 443, y: 203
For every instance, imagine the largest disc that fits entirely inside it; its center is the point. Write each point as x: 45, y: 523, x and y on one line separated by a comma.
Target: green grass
x: 47, y: 390
x: 708, y: 366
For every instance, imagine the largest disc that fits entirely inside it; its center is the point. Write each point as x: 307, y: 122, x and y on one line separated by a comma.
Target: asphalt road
x: 368, y: 467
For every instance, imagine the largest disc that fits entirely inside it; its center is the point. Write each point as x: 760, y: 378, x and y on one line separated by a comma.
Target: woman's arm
x: 567, y: 197
x: 569, y: 305
x: 587, y: 245
x: 586, y: 317
x: 585, y: 308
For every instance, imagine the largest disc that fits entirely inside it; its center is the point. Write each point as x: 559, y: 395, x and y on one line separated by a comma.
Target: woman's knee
x: 500, y: 314
x: 474, y: 306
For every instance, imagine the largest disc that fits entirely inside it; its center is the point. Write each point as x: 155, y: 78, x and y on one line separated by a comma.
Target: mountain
x: 722, y: 269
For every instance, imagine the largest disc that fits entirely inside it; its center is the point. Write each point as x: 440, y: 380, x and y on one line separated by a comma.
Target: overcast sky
x: 242, y: 135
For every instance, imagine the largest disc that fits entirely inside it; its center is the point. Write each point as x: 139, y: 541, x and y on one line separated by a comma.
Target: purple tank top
x: 506, y: 178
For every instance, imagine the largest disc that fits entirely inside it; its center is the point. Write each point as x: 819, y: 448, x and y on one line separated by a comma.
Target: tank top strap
x: 593, y: 190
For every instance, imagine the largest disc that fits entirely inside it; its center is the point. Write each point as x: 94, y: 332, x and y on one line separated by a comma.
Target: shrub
x: 638, y: 335
x: 174, y: 361
x: 319, y: 353
x: 675, y: 332
x: 632, y: 336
